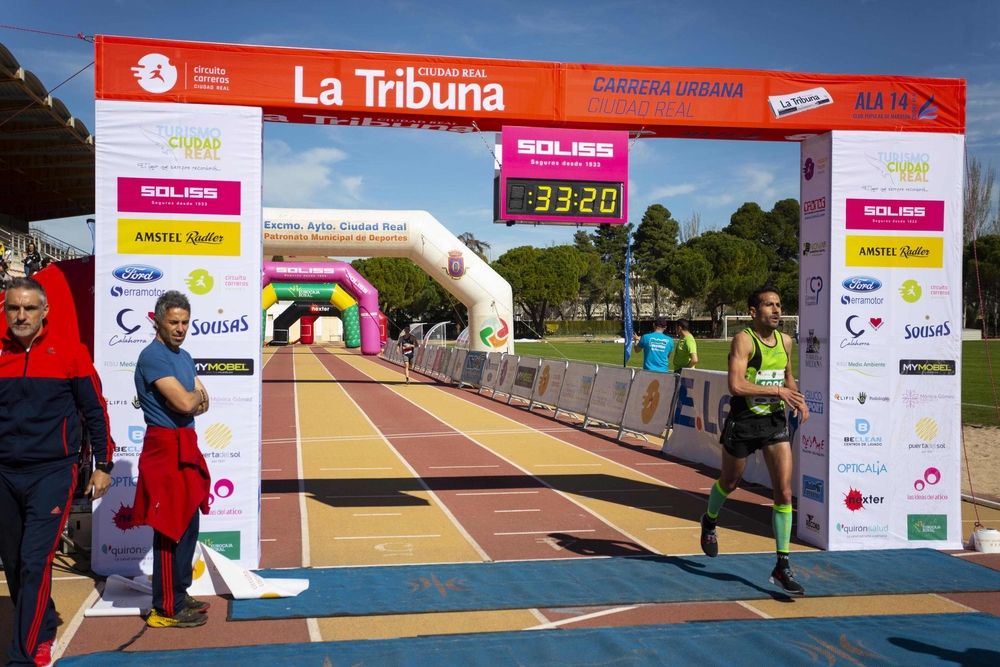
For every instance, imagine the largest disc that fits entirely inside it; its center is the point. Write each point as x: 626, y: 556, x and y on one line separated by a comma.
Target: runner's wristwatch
x: 105, y: 466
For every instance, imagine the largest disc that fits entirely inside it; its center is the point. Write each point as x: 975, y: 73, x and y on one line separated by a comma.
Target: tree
x: 480, y: 248
x: 690, y: 228
x: 982, y: 277
x: 398, y: 280
x: 777, y: 234
x: 609, y: 241
x: 978, y: 218
x: 653, y: 248
x: 541, y: 277
x: 718, y: 268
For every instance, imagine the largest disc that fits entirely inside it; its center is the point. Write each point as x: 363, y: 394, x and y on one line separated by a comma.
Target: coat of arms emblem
x: 456, y: 264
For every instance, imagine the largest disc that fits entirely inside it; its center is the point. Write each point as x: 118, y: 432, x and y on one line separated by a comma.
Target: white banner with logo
x: 459, y: 366
x: 179, y: 208
x: 649, y: 401
x: 699, y: 414
x: 550, y: 382
x: 525, y: 376
x: 607, y: 400
x: 491, y: 371
x: 577, y: 386
x: 895, y: 340
x: 505, y: 377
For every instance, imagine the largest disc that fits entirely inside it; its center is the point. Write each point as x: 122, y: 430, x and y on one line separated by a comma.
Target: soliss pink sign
x: 895, y: 215
x: 171, y: 195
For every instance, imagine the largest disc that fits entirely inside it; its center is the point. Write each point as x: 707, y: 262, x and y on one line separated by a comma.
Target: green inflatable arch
x: 318, y: 293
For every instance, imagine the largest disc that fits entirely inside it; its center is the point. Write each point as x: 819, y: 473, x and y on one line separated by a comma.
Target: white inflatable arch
x: 413, y: 234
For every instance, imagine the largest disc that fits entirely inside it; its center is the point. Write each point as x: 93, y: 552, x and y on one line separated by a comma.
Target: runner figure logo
x: 155, y: 73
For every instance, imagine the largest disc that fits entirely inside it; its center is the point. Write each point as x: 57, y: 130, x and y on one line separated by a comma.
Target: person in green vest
x: 760, y: 384
x: 686, y: 353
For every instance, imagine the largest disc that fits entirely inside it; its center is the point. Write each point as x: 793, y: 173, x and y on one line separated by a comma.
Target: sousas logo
x: 926, y: 331
x: 217, y: 327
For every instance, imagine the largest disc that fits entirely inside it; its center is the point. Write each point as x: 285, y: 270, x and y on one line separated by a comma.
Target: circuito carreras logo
x: 155, y: 73
x: 200, y: 282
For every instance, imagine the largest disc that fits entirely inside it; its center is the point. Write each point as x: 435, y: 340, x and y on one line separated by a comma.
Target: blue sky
x: 450, y: 175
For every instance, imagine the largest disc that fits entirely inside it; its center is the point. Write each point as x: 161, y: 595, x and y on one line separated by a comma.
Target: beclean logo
x: 926, y: 527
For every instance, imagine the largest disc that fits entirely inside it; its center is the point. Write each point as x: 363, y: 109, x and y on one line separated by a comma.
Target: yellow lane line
x: 611, y: 490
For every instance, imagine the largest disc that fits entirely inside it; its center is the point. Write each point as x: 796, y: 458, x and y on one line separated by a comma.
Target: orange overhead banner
x: 449, y: 93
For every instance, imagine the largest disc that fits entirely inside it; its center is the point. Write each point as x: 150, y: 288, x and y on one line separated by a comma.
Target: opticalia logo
x: 815, y: 287
x: 223, y: 366
x: 855, y: 500
x: 814, y: 208
x: 903, y: 252
x: 576, y: 148
x: 814, y: 401
x: 914, y: 331
x: 858, y: 530
x: 166, y: 195
x: 811, y: 523
x: 186, y: 142
x: 155, y: 73
x: 137, y: 273
x: 219, y: 327
x: 926, y: 367
x: 225, y: 542
x: 813, y: 488
x: 926, y: 527
x: 876, y: 468
x: 813, y: 445
x: 901, y: 167
x: 124, y: 481
x: 178, y: 237
x: 895, y: 215
x: 862, y: 439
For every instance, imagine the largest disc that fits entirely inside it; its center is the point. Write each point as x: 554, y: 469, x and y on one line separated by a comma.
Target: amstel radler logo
x: 178, y: 237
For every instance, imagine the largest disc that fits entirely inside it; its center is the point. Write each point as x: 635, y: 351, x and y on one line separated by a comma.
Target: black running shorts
x: 742, y: 437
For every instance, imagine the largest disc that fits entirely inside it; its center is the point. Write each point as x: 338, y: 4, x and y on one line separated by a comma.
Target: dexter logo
x: 576, y: 148
x: 223, y: 366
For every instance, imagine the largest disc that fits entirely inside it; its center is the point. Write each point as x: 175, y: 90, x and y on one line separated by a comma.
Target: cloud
x: 306, y: 178
x: 672, y: 190
x: 983, y: 113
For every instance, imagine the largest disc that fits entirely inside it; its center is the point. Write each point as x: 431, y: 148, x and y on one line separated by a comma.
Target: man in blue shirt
x: 655, y: 347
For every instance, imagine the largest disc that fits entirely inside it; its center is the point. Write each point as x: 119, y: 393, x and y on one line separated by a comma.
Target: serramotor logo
x: 155, y: 73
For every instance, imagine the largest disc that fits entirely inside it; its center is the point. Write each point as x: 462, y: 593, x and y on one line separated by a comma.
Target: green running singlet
x: 766, y: 367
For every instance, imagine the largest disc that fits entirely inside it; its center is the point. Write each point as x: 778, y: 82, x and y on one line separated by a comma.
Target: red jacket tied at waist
x: 173, y: 481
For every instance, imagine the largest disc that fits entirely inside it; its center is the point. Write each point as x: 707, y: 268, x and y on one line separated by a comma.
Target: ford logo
x: 137, y: 273
x: 862, y: 284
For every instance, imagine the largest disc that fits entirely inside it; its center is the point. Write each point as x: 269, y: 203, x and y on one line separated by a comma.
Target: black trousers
x: 34, y: 506
x: 172, y: 568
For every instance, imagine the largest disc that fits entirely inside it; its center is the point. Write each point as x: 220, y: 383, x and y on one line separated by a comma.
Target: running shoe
x: 783, y: 577
x: 185, y: 618
x: 709, y: 538
x: 43, y: 653
x: 199, y: 606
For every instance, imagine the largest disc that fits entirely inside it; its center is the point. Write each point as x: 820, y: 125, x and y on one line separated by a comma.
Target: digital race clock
x: 560, y: 176
x: 551, y: 198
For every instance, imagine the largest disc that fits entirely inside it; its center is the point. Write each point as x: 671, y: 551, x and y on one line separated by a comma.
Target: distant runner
x: 408, y: 343
x: 760, y: 382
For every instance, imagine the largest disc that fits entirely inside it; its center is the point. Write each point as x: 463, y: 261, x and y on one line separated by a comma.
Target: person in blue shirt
x: 655, y: 347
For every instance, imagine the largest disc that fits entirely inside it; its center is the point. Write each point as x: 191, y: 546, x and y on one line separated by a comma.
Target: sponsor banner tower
x: 880, y: 340
x: 179, y: 208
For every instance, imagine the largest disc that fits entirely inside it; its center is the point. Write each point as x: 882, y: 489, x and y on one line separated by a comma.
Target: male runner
x: 408, y: 344
x: 760, y: 382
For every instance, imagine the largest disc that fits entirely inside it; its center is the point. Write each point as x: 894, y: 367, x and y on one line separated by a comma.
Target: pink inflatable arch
x: 344, y: 275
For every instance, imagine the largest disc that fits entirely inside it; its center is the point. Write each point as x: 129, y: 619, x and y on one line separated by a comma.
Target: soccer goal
x: 733, y: 324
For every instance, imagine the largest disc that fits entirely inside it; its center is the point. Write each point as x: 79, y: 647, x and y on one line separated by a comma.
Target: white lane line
x: 659, y: 490
x: 510, y: 511
x: 437, y: 501
x: 568, y: 465
x: 458, y: 467
x: 381, y: 514
x: 570, y: 497
x: 299, y: 469
x: 957, y: 604
x: 314, y: 634
x: 270, y: 469
x: 498, y: 493
x: 340, y: 469
x: 74, y: 625
x: 382, y: 537
x: 387, y: 495
x: 750, y: 607
x: 539, y: 615
x: 546, y: 532
x: 585, y: 617
x: 270, y: 539
x: 270, y: 497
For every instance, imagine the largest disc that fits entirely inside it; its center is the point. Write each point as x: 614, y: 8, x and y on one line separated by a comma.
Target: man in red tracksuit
x: 173, y: 480
x: 46, y: 381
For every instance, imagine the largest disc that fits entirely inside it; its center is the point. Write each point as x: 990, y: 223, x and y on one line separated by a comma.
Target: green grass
x: 712, y: 354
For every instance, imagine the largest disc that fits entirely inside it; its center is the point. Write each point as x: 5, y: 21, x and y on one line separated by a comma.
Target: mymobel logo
x: 575, y: 148
x: 155, y: 73
x: 223, y: 366
x: 926, y: 367
x: 167, y: 195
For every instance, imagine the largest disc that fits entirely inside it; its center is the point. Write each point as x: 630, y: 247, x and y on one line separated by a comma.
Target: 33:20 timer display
x: 552, y: 198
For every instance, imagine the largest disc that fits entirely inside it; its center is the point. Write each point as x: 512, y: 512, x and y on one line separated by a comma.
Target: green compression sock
x: 715, y: 500
x: 781, y: 521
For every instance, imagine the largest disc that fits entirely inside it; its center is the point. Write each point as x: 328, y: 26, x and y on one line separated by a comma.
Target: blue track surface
x: 934, y: 640
x: 363, y: 591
